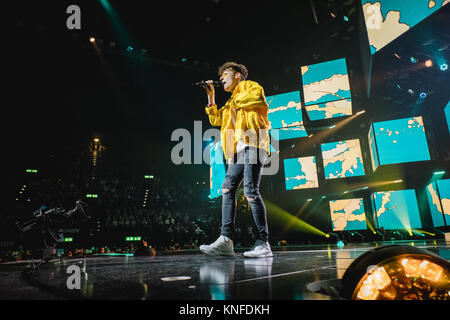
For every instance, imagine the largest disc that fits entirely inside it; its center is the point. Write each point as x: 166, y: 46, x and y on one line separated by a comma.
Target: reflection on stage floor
x: 293, y: 273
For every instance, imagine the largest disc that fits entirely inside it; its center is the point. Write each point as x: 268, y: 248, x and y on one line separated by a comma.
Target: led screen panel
x: 386, y: 20
x: 332, y: 109
x: 397, y: 209
x: 447, y: 115
x: 401, y: 140
x: 373, y: 150
x: 444, y: 193
x: 434, y: 202
x: 217, y: 170
x: 288, y: 133
x: 342, y: 159
x: 348, y: 214
x: 301, y: 173
x: 285, y: 110
x: 325, y: 82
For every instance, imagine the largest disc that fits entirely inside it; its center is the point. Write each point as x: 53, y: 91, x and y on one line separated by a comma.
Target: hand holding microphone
x: 210, y: 91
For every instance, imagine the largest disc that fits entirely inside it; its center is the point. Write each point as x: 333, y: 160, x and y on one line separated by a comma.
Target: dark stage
x: 293, y: 273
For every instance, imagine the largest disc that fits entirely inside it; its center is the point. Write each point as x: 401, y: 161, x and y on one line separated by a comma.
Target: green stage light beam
x: 287, y: 218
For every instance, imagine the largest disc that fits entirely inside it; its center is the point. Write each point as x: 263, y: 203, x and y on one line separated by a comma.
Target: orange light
x: 92, y: 39
x: 428, y: 63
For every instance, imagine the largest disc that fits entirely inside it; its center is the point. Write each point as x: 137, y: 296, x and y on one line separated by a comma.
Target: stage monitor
x: 386, y: 20
x: 401, y: 140
x: 326, y: 89
x: 342, y: 159
x: 435, y: 205
x: 397, y: 209
x: 301, y: 173
x: 447, y: 115
x: 348, y: 214
x: 217, y: 170
x: 443, y: 187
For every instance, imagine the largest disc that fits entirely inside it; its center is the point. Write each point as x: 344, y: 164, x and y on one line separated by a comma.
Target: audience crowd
x: 166, y: 215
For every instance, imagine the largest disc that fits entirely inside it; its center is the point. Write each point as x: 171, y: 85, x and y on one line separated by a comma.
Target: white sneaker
x: 222, y: 246
x: 260, y: 249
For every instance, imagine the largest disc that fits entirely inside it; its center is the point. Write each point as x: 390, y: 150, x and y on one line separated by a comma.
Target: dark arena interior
x: 113, y: 166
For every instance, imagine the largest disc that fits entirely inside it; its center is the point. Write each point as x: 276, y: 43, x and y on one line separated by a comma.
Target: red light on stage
x: 428, y: 63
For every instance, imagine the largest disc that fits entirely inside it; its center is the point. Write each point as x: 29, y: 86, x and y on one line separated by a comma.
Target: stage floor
x: 293, y: 273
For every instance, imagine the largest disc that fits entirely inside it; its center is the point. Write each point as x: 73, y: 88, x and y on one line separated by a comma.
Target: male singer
x: 245, y: 141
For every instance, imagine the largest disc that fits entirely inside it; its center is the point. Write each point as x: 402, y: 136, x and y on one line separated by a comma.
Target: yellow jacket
x: 243, y: 117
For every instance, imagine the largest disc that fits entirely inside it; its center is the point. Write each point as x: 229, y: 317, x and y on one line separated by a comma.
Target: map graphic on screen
x: 397, y: 209
x: 217, y: 170
x: 444, y: 191
x: 386, y: 20
x: 332, y: 109
x: 401, y: 140
x: 285, y: 110
x: 326, y: 89
x: 434, y: 202
x: 373, y: 150
x: 348, y: 214
x: 288, y: 133
x: 301, y: 173
x: 342, y: 159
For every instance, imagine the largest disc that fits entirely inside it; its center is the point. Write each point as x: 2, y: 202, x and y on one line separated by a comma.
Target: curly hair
x: 236, y: 67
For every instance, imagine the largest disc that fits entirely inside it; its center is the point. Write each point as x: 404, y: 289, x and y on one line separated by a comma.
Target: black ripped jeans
x: 246, y: 166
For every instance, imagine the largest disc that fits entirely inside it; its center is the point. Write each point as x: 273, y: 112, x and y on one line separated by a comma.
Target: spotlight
x: 413, y: 60
x: 345, y: 18
x: 428, y: 63
x: 92, y: 39
x: 397, y: 273
x: 129, y: 49
x: 422, y: 95
x: 443, y: 67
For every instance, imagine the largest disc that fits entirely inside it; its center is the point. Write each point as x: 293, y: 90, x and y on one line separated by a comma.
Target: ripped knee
x: 225, y: 190
x: 251, y: 198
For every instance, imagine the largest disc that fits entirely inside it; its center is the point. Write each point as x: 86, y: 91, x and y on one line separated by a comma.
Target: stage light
x: 129, y: 49
x: 423, y: 95
x: 439, y: 172
x: 361, y: 112
x: 428, y: 63
x: 340, y: 244
x: 413, y: 60
x: 183, y: 59
x: 345, y: 18
x: 443, y: 67
x: 397, y: 273
x: 92, y: 39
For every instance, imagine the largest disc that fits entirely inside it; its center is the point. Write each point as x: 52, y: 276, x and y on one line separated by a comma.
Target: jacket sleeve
x: 215, y: 116
x: 251, y: 97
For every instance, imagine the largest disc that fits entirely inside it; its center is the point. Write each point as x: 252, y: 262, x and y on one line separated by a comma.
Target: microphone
x: 203, y: 84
